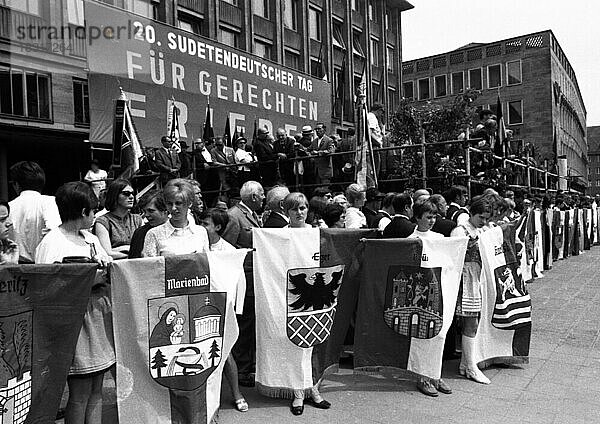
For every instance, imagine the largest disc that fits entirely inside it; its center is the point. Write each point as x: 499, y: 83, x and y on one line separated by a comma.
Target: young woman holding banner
x: 468, y: 306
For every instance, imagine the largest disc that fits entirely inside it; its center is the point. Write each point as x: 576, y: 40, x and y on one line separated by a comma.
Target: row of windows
x: 515, y: 111
x: 28, y: 94
x: 474, y: 80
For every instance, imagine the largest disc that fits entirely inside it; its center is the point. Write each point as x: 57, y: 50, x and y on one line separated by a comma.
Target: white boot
x: 471, y: 370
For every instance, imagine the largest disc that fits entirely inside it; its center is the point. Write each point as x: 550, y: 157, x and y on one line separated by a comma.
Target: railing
x: 77, y: 41
x: 193, y: 5
x: 22, y: 28
x: 230, y: 14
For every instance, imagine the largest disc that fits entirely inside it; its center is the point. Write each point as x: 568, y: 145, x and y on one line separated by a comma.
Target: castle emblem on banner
x: 312, y: 299
x: 185, y: 338
x: 15, y: 367
x: 413, y: 301
x: 513, y: 303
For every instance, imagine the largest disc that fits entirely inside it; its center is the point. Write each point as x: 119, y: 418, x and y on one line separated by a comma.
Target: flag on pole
x: 41, y: 313
x: 322, y: 66
x: 406, y: 303
x: 127, y: 147
x: 305, y: 290
x: 500, y: 130
x: 173, y: 126
x: 227, y: 133
x: 235, y: 136
x: 180, y: 328
x: 208, y: 134
x: 254, y: 133
x: 364, y: 159
x: 340, y: 90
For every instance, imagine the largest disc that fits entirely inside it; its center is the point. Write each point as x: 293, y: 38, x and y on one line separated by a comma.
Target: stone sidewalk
x: 561, y: 384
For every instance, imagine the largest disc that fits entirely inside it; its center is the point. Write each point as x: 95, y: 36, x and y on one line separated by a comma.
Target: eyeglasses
x: 127, y: 193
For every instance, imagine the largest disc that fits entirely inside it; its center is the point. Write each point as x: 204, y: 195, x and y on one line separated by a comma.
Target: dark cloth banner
x: 407, y: 299
x: 41, y: 313
x: 175, y: 324
x: 558, y: 233
x: 305, y: 287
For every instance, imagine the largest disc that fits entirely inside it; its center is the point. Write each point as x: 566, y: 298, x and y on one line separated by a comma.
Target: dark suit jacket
x: 399, y: 227
x: 239, y: 233
x: 275, y: 221
x: 264, y: 151
x: 323, y: 164
x: 443, y: 226
x: 165, y: 161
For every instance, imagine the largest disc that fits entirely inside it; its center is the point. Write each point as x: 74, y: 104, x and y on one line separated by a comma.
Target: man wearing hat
x: 284, y: 146
x: 322, y: 146
x: 264, y: 149
x: 305, y: 168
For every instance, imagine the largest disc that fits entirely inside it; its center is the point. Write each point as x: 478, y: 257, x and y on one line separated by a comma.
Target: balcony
x: 77, y: 41
x: 263, y: 27
x: 197, y: 6
x: 358, y: 20
x: 23, y: 28
x: 230, y: 14
x: 292, y: 39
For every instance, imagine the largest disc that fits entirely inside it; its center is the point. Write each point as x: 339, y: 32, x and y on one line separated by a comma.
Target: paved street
x: 561, y: 384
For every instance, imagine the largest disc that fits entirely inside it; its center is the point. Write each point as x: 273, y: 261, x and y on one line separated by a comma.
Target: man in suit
x: 322, y: 146
x: 242, y: 219
x: 442, y: 225
x: 400, y: 225
x: 223, y: 155
x: 284, y: 147
x: 277, y: 217
x: 167, y: 161
x: 456, y: 196
x: 264, y: 149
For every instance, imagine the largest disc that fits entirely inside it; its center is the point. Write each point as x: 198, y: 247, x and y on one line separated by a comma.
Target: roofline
x: 402, y: 5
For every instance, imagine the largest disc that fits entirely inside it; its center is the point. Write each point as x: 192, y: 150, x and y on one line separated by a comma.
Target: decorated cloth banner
x: 538, y: 245
x: 407, y: 301
x: 558, y: 232
x: 174, y: 323
x: 305, y: 291
x: 504, y: 330
x: 547, y: 226
x: 41, y: 313
x: 568, y: 237
x: 587, y: 219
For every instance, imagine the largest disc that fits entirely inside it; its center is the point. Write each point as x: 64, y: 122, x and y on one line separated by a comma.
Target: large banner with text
x: 155, y: 63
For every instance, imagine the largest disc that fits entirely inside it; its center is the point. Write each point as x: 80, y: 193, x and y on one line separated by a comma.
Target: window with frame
x: 262, y: 49
x: 75, y: 12
x: 475, y: 79
x: 494, y: 76
x: 189, y: 23
x: 290, y: 14
x: 291, y: 59
x: 389, y: 58
x: 458, y: 82
x: 81, y: 102
x: 408, y: 89
x: 376, y: 89
x: 440, y: 86
x: 424, y: 90
x: 28, y: 6
x: 232, y: 2
x: 337, y: 35
x: 357, y: 48
x: 228, y: 37
x: 515, y: 112
x: 513, y: 72
x: 374, y: 51
x: 145, y: 8
x: 314, y: 24
x: 24, y: 93
x: 315, y: 67
x: 392, y: 99
x: 261, y: 8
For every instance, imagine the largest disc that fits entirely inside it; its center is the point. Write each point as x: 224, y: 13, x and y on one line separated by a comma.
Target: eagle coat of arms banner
x: 174, y: 324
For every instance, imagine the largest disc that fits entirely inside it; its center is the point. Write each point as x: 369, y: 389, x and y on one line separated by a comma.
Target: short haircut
x: 275, y: 196
x: 181, y: 187
x: 95, y: 162
x: 354, y: 192
x: 388, y: 199
x: 293, y: 200
x: 376, y: 107
x: 484, y: 112
x: 73, y: 198
x: 332, y: 213
x: 218, y: 217
x: 321, y: 191
x: 249, y: 188
x: 153, y: 196
x: 164, y: 138
x: 29, y: 175
x: 112, y: 193
x: 401, y: 201
x: 422, y: 207
x: 480, y: 205
x: 454, y: 193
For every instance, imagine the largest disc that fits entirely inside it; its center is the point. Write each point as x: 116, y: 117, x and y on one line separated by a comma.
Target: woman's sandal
x: 241, y: 405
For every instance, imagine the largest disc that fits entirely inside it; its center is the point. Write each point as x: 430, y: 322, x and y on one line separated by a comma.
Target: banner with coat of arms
x: 305, y: 291
x: 174, y: 324
x: 406, y: 303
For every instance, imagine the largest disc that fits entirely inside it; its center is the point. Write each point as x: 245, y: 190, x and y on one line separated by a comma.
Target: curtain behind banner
x: 41, y: 313
x: 407, y: 301
x: 175, y: 324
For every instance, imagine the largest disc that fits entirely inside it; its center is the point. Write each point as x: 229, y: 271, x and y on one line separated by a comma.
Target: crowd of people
x: 77, y: 225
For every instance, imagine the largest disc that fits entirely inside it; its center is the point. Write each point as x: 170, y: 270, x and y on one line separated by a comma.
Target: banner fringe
x: 279, y: 392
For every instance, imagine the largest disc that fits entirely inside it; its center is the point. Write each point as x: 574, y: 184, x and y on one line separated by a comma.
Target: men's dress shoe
x: 321, y: 405
x: 427, y: 388
x: 442, y: 387
x: 297, y: 410
x: 246, y: 380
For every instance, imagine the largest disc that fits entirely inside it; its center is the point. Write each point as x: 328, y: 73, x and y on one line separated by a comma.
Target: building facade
x: 540, y: 97
x: 44, y: 96
x: 593, y: 137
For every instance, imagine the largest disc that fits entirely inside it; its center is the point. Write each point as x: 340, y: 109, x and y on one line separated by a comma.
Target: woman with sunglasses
x: 115, y: 228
